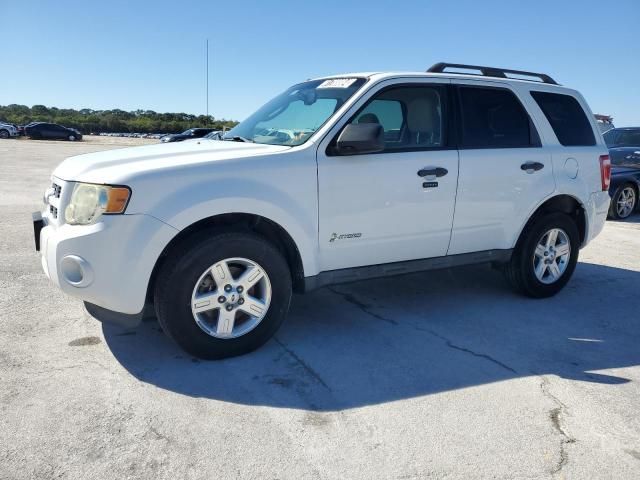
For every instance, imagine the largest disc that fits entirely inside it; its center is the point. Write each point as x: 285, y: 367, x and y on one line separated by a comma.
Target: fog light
x: 76, y: 271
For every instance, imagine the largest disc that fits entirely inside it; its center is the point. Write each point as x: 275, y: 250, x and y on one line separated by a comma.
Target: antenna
x: 207, y: 80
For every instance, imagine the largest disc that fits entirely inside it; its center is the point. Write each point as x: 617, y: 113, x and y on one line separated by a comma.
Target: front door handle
x: 531, y: 167
x: 429, y: 171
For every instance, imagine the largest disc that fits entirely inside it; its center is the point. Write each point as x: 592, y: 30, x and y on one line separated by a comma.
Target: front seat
x: 422, y: 123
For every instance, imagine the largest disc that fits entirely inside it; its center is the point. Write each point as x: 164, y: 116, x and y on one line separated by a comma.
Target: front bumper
x: 108, y: 264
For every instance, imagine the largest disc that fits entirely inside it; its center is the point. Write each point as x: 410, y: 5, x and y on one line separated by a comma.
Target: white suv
x: 360, y: 176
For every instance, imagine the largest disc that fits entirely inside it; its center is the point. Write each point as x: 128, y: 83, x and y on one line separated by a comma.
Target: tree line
x: 110, y: 121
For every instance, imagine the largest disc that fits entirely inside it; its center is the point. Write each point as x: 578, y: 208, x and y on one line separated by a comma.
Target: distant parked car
x: 8, y: 130
x: 42, y: 130
x: 605, y: 122
x: 215, y: 135
x: 624, y: 150
x: 187, y: 134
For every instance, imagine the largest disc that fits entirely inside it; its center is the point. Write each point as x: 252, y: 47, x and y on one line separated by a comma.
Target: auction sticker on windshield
x: 337, y: 83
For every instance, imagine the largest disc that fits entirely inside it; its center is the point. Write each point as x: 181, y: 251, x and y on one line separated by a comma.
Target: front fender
x: 292, y: 208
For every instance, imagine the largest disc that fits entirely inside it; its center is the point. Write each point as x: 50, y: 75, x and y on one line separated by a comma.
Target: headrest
x: 421, y: 115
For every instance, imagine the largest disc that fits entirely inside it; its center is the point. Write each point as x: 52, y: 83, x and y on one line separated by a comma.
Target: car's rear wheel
x: 624, y: 202
x: 545, y: 257
x: 4, y: 134
x: 222, y: 295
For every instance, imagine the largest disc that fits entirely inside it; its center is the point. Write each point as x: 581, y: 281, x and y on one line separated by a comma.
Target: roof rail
x: 490, y: 71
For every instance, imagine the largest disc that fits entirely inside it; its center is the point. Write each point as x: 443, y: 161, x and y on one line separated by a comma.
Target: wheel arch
x: 563, y: 203
x: 239, y: 222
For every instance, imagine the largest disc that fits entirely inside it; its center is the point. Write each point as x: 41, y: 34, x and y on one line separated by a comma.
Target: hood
x: 120, y: 165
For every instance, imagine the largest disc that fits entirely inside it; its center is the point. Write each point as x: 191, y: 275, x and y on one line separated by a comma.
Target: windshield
x: 292, y: 117
x: 623, y: 138
x: 187, y: 132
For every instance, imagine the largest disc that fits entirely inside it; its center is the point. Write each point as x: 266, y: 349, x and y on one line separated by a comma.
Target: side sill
x: 123, y: 320
x: 356, y: 274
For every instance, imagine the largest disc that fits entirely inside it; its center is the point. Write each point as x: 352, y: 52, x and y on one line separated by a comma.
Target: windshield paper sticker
x: 337, y: 83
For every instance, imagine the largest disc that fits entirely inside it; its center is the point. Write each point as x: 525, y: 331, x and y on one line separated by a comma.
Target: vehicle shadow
x: 390, y: 339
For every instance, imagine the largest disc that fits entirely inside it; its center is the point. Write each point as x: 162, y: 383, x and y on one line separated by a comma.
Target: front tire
x: 4, y: 134
x: 545, y: 257
x: 71, y: 138
x: 222, y: 295
x: 624, y: 202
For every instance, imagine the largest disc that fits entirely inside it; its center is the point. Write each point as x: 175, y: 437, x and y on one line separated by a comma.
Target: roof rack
x: 490, y: 71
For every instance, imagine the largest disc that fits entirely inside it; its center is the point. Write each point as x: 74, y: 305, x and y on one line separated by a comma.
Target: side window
x: 494, y: 118
x: 567, y: 118
x: 412, y: 117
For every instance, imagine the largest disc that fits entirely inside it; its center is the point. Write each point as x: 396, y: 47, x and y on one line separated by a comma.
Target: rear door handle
x: 531, y: 167
x: 429, y: 171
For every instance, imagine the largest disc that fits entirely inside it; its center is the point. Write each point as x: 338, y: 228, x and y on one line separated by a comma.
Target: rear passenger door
x: 504, y: 171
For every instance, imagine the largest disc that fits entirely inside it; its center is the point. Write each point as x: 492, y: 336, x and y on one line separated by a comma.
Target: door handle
x: 531, y: 167
x: 438, y: 172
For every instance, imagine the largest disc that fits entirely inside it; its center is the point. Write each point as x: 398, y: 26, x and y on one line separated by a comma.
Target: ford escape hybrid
x: 337, y: 179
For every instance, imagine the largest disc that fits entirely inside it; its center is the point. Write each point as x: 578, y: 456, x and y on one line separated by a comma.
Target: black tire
x: 613, y: 210
x: 180, y: 273
x: 4, y: 134
x: 71, y: 138
x: 520, y: 270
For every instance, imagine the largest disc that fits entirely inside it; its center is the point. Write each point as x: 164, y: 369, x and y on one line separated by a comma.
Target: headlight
x: 89, y: 202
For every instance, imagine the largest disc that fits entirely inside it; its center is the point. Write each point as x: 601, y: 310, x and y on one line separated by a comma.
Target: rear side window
x: 567, y: 118
x: 494, y: 118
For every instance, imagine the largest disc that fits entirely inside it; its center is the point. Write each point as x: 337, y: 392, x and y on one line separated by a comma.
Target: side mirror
x: 359, y: 138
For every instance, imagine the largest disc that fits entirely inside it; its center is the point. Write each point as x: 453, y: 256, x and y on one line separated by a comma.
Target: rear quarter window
x: 567, y: 118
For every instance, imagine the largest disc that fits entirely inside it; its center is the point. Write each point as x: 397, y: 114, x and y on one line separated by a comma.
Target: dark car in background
x: 52, y: 131
x: 624, y: 150
x: 187, y: 134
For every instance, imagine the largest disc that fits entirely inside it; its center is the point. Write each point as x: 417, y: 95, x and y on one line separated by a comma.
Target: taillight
x: 605, y: 172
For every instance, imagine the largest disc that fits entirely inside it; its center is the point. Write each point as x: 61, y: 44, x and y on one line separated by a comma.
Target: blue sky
x: 150, y: 54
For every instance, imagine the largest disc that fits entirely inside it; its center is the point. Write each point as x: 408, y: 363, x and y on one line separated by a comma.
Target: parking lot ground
x: 444, y: 374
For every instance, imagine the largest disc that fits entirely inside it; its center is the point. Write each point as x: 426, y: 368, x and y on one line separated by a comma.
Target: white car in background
x: 7, y: 130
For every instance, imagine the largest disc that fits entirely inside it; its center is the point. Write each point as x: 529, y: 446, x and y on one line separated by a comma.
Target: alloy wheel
x: 231, y: 298
x: 626, y: 202
x: 551, y: 256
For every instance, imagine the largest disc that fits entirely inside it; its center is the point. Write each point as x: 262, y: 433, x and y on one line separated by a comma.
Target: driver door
x: 382, y: 207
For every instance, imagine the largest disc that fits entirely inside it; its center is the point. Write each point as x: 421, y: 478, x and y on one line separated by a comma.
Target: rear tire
x: 539, y: 268
x: 4, y: 134
x: 183, y: 275
x: 624, y: 202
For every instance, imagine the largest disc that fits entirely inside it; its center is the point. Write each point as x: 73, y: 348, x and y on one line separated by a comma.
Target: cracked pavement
x: 444, y: 374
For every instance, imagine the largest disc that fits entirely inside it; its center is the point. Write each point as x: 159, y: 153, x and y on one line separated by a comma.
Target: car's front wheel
x: 624, y: 202
x: 222, y: 295
x: 71, y: 138
x: 4, y: 134
x: 545, y: 257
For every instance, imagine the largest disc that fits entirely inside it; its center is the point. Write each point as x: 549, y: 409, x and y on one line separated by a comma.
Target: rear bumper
x: 597, y: 210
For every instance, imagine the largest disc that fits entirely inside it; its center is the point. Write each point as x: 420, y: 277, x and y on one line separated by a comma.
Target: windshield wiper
x: 237, y: 138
